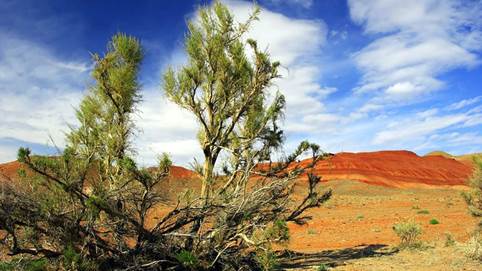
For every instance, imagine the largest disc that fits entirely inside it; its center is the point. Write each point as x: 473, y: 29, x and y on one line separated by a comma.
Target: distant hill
x: 386, y: 168
x: 395, y: 169
x: 440, y: 153
x: 465, y: 158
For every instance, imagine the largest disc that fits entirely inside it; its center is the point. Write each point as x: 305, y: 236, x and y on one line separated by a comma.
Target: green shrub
x: 312, y: 231
x: 36, y: 265
x: 322, y: 267
x: 449, y: 239
x: 409, y: 233
x: 433, y: 221
x: 6, y: 266
x: 473, y: 248
x: 423, y: 212
x: 279, y: 231
x: 267, y: 259
x: 187, y: 259
x: 24, y: 264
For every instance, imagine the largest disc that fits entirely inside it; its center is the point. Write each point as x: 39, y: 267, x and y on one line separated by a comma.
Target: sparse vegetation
x: 409, y: 233
x: 449, y: 239
x: 433, y: 221
x: 423, y: 212
x: 322, y: 267
x: 474, y: 197
x: 473, y: 247
x: 312, y: 231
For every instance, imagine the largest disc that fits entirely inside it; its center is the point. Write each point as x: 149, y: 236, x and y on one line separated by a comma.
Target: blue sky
x: 359, y: 75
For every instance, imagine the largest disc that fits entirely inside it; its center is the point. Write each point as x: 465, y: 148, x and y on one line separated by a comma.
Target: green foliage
x: 225, y: 90
x: 473, y: 248
x: 86, y: 187
x: 312, y: 232
x: 7, y: 266
x: 21, y: 173
x: 423, y: 212
x: 322, y: 267
x: 74, y: 261
x: 278, y: 231
x: 474, y: 197
x: 22, y: 154
x: 409, y: 233
x: 433, y: 221
x: 187, y: 259
x: 164, y: 163
x: 94, y: 196
x: 449, y: 239
x: 25, y: 264
x: 267, y: 259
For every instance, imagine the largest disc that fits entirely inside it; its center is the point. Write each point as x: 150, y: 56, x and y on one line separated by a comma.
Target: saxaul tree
x: 227, y: 85
x: 83, y: 207
x: 88, y: 207
x: 474, y: 197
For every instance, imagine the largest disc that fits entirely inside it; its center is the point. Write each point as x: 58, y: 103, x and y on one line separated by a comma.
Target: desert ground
x: 353, y: 230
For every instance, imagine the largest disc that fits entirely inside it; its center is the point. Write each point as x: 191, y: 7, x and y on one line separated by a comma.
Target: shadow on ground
x: 297, y: 260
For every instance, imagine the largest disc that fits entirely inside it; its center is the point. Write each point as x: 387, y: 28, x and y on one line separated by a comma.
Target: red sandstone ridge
x: 394, y: 168
x: 9, y: 170
x: 177, y: 172
x: 387, y: 168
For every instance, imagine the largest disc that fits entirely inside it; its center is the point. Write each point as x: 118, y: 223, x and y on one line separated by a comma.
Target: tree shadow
x: 291, y: 259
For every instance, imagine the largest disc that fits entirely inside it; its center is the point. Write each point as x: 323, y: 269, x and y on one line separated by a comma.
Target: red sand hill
x: 387, y: 168
x: 394, y: 168
x: 9, y: 171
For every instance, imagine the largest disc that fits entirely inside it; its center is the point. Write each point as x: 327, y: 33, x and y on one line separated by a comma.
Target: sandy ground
x: 361, y: 214
x: 353, y: 230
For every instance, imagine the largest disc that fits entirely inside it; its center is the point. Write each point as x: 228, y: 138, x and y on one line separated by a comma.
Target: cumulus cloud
x: 416, y: 42
x: 293, y: 42
x: 296, y: 43
x: 430, y: 128
x: 38, y: 93
x: 464, y: 103
x: 164, y: 127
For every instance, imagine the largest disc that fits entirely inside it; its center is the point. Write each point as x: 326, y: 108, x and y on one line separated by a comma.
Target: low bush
x: 322, y: 267
x: 473, y: 248
x: 409, y: 233
x: 449, y: 239
x: 434, y: 221
x: 25, y: 264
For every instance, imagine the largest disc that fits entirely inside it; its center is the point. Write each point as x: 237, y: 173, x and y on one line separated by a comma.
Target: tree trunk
x: 207, y: 178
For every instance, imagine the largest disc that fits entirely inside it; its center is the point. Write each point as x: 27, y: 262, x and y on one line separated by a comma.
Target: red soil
x: 10, y: 169
x: 177, y: 172
x: 393, y: 169
x: 387, y: 168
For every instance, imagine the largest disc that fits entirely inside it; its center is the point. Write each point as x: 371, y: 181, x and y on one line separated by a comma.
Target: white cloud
x: 464, y: 103
x: 294, y: 42
x: 411, y: 129
x: 164, y: 127
x: 417, y: 42
x: 7, y: 153
x: 39, y: 92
